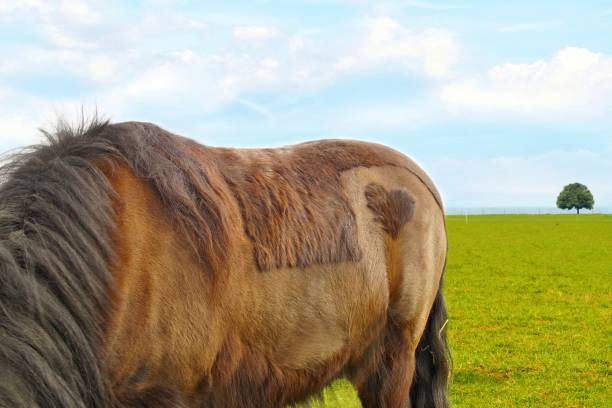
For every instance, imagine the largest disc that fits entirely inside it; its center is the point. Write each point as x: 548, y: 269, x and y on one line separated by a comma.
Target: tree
x: 576, y: 196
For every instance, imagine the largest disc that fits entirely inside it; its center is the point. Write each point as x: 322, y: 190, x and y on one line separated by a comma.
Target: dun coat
x: 139, y: 269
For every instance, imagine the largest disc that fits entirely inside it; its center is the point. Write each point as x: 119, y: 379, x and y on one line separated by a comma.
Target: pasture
x: 530, y: 320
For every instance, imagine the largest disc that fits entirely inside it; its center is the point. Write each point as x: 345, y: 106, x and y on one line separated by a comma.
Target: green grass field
x: 530, y: 320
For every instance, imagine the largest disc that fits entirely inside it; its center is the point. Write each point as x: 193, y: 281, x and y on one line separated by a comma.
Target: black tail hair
x: 433, y: 363
x: 55, y: 222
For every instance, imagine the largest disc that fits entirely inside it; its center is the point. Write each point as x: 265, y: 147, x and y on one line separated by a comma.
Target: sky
x: 502, y: 103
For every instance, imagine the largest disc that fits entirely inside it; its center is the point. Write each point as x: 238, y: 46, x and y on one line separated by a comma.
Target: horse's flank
x: 253, y: 278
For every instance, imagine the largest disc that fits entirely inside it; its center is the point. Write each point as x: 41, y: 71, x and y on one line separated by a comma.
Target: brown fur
x: 291, y: 202
x: 190, y: 188
x: 155, y: 396
x: 393, y: 209
x: 352, y: 270
x: 295, y: 213
x: 266, y: 340
x: 253, y: 340
x: 291, y: 199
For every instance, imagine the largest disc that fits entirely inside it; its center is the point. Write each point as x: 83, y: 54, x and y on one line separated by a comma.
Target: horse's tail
x: 55, y: 222
x: 433, y: 365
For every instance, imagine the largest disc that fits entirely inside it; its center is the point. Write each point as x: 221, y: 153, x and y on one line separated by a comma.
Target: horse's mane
x: 186, y: 180
x: 56, y: 220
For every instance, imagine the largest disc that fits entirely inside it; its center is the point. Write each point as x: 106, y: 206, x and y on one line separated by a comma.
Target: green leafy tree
x: 576, y: 196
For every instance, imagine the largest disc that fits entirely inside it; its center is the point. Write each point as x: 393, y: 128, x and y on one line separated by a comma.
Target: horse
x: 139, y: 268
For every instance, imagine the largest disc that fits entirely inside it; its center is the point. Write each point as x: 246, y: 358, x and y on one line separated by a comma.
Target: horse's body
x: 222, y: 277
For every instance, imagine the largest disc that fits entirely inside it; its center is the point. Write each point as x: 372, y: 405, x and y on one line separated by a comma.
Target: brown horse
x: 141, y: 269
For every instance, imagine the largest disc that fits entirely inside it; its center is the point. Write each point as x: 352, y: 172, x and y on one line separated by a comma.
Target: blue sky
x: 502, y: 104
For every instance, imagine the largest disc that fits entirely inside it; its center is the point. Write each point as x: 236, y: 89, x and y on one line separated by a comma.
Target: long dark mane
x: 55, y: 220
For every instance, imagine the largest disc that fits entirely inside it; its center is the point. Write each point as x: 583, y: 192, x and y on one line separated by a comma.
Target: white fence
x: 521, y: 210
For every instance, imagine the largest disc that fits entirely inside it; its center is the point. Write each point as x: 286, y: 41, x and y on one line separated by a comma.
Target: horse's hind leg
x: 415, y: 246
x: 388, y: 383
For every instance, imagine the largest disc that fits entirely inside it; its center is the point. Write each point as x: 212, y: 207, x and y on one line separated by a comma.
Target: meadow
x: 529, y: 299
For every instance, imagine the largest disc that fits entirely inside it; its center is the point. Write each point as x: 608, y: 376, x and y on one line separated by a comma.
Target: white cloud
x: 190, y: 82
x: 431, y: 51
x: 269, y: 62
x: 102, y: 68
x: 21, y: 115
x: 255, y: 33
x: 8, y: 7
x: 426, y: 5
x: 78, y: 11
x: 168, y: 86
x: 206, y: 82
x: 82, y: 64
x: 296, y: 43
x: 575, y: 82
x: 418, y: 4
x: 16, y: 130
x: 65, y: 11
x: 63, y: 39
x: 531, y: 26
x: 131, y: 69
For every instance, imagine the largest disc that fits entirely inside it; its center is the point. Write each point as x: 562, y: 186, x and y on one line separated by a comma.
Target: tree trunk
x: 577, y: 210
